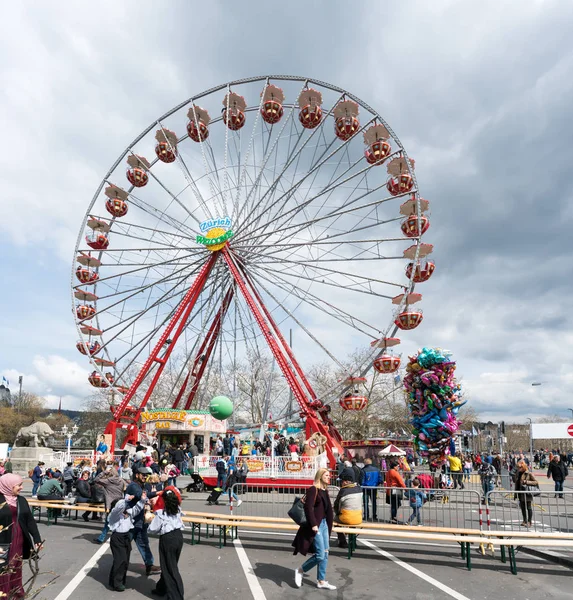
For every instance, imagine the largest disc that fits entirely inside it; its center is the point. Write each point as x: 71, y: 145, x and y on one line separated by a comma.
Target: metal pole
x: 530, y: 443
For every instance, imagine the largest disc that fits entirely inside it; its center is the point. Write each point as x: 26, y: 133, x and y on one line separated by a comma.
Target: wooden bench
x: 53, y: 506
x: 464, y: 537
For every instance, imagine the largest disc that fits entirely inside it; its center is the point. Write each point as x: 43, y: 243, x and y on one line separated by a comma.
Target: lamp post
x: 69, y: 433
x: 530, y: 442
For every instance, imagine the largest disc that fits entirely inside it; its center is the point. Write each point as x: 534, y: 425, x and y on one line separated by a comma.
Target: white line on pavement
x: 252, y: 580
x: 417, y: 572
x: 80, y: 575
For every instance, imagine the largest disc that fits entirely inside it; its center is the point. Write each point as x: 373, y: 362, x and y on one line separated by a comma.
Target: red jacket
x: 394, y: 479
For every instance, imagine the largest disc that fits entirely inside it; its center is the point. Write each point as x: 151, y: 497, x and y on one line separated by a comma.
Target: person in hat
x: 348, y: 505
x: 139, y: 533
x: 121, y: 518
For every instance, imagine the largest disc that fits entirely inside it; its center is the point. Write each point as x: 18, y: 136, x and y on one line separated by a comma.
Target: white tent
x: 391, y: 450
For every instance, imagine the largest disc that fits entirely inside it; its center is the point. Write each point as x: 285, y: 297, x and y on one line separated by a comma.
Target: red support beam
x: 172, y: 332
x: 204, y: 354
x: 282, y: 357
x: 316, y: 405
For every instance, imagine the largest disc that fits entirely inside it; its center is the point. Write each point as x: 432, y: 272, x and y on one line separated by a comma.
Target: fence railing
x: 548, y: 511
x: 443, y: 508
x: 277, y: 467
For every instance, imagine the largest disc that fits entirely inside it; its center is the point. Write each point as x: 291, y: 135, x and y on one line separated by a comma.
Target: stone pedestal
x: 25, y: 458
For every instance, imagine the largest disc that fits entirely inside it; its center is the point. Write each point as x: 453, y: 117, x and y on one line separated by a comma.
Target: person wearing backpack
x: 221, y: 467
x: 370, y: 480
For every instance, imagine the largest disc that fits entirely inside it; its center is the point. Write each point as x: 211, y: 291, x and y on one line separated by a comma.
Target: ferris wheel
x: 258, y: 205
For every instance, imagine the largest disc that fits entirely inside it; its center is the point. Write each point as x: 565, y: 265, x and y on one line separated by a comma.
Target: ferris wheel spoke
x: 326, y: 190
x: 159, y: 215
x: 285, y: 197
x: 144, y: 341
x: 290, y: 159
x: 297, y: 321
x: 267, y: 155
x: 325, y: 273
x: 188, y: 178
x: 323, y: 306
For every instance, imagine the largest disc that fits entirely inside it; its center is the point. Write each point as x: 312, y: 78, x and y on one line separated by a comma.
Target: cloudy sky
x: 480, y: 93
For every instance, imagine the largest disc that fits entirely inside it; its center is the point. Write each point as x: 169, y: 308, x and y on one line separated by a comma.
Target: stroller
x: 197, y: 485
x: 214, y: 496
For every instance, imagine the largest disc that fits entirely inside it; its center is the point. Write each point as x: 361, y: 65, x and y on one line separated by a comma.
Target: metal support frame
x: 160, y: 354
x: 204, y: 353
x: 283, y: 356
x: 206, y: 349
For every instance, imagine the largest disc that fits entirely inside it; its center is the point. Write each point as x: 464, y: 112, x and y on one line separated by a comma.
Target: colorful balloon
x: 221, y: 408
x: 433, y: 401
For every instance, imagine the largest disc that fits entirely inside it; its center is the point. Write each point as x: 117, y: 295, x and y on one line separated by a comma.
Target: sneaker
x: 325, y: 586
x: 97, y: 541
x: 298, y: 577
x: 35, y: 497
x: 239, y: 502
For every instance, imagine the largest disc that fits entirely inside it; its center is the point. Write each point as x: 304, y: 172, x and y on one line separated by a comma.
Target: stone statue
x: 33, y: 436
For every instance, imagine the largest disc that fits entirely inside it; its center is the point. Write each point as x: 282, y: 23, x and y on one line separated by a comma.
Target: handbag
x: 296, y: 512
x: 533, y: 490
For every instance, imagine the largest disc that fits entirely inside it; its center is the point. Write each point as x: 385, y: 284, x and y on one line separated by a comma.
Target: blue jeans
x: 559, y: 487
x: 320, y: 556
x: 35, y: 488
x: 415, y: 514
x: 104, y: 531
x: 487, y: 486
x: 141, y: 539
x: 221, y: 479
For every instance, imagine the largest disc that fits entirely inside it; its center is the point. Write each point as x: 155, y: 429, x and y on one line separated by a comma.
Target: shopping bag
x: 296, y: 512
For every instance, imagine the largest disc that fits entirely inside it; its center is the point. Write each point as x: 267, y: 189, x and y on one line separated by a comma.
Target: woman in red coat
x: 316, y: 531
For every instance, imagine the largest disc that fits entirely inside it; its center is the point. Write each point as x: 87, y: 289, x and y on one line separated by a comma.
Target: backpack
x: 30, y: 473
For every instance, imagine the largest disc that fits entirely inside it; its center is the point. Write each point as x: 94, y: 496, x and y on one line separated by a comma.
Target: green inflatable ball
x: 221, y: 408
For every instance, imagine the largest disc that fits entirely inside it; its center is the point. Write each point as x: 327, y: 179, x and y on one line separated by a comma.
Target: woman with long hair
x: 524, y: 478
x: 316, y: 531
x: 168, y: 524
x: 19, y: 535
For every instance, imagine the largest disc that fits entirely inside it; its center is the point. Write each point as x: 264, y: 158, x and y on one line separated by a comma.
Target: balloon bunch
x: 434, y: 401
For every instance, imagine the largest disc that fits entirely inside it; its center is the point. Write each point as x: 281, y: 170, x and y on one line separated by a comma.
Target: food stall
x: 175, y: 426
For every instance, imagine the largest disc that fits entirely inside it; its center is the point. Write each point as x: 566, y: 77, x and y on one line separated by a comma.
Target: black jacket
x: 83, y: 488
x: 29, y: 528
x: 557, y: 470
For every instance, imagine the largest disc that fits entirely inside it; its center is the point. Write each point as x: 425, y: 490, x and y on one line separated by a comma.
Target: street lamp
x: 530, y: 442
x: 69, y: 433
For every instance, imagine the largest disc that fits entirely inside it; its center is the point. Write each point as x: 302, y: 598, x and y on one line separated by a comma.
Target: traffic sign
x: 570, y: 430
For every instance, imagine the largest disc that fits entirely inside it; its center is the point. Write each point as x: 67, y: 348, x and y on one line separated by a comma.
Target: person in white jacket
x: 168, y: 524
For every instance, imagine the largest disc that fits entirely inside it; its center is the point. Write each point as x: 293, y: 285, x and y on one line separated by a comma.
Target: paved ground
x: 261, y: 567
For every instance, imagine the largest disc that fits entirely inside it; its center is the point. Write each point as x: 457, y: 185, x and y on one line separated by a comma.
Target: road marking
x: 417, y: 572
x: 81, y: 574
x: 252, y: 580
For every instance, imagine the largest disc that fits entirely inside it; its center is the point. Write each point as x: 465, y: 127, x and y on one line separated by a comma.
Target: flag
x: 474, y: 432
x: 396, y: 379
x: 5, y: 382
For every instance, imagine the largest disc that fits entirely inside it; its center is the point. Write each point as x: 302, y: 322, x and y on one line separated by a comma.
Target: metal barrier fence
x: 265, y: 467
x: 443, y: 508
x: 269, y: 500
x: 548, y: 512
